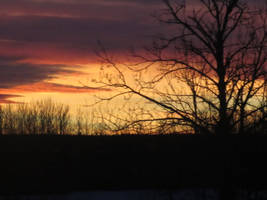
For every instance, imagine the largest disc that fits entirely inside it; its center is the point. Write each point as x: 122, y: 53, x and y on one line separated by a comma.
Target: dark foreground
x: 59, y: 164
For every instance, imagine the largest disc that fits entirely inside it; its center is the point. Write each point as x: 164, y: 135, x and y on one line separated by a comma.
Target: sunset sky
x: 47, y: 46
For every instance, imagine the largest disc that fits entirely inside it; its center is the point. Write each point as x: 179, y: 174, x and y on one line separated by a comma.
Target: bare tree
x: 207, y: 73
x: 1, y: 120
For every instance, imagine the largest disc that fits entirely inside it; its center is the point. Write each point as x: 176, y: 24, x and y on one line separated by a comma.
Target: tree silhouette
x: 211, y: 62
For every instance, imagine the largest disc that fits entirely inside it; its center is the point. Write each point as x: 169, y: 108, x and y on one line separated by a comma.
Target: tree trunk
x: 223, y: 127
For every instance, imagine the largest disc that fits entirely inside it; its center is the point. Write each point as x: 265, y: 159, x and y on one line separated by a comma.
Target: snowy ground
x: 140, y: 195
x: 120, y: 195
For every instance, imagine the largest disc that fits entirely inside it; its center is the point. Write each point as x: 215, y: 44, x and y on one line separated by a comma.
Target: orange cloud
x: 50, y: 87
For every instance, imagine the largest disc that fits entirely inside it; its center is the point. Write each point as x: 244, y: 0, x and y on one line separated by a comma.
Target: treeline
x: 49, y: 117
x: 46, y: 117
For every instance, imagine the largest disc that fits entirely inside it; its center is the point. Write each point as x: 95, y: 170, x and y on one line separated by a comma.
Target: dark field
x: 58, y: 164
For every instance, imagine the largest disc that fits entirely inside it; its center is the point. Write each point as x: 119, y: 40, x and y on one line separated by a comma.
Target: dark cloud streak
x: 13, y: 73
x: 5, y: 98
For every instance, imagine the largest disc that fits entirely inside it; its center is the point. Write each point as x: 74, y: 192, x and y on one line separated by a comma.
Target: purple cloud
x: 78, y: 24
x: 13, y: 73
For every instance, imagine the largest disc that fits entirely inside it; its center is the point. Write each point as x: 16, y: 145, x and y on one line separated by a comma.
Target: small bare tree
x: 207, y: 73
x: 1, y: 120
